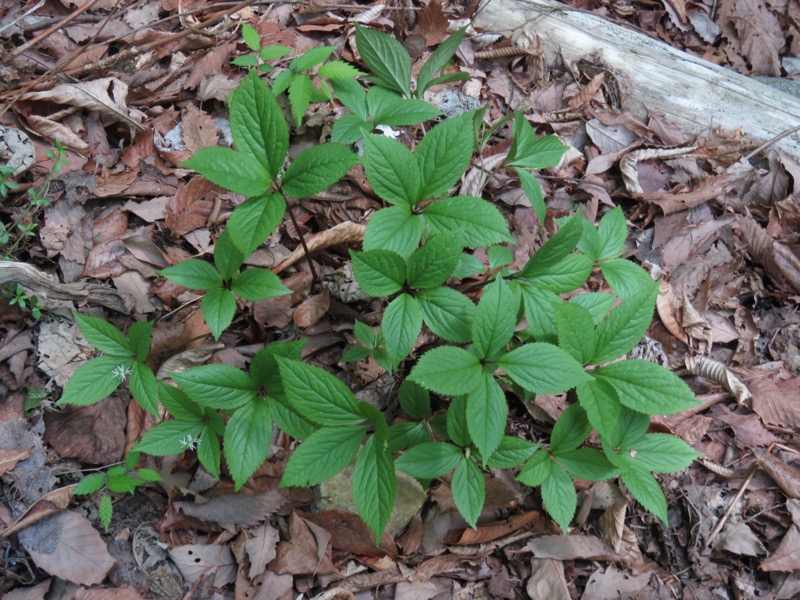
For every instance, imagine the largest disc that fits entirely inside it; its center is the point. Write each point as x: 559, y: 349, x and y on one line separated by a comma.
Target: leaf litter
x: 720, y: 224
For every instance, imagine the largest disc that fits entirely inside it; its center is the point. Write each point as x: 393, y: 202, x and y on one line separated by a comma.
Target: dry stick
x: 50, y: 30
x: 314, y: 278
x: 32, y: 9
x: 777, y: 138
x: 729, y: 510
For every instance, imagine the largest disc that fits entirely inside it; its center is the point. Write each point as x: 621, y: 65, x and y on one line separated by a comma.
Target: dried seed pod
x: 716, y: 371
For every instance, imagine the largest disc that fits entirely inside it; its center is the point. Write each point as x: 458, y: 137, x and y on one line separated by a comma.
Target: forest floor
x: 113, y: 80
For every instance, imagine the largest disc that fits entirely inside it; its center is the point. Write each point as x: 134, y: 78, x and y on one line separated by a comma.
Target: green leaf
x: 248, y: 60
x: 469, y: 491
x: 392, y: 170
x: 253, y: 221
x: 338, y: 69
x: 559, y: 497
x: 624, y: 326
x: 537, y: 469
x: 217, y: 386
x: 227, y: 257
x: 105, y: 512
x: 139, y: 335
x: 601, y: 403
x: 533, y: 191
x: 385, y: 57
x: 457, y: 428
x: 178, y: 404
x: 468, y: 266
x: 570, y: 431
x: 613, y: 232
x: 356, y: 353
x: 402, y: 322
x: 264, y: 366
x: 404, y: 112
x: 318, y: 395
x: 443, y: 155
x: 395, y: 228
x: 121, y: 483
x: 350, y: 93
x: 495, y: 318
x: 567, y: 275
x: 555, y: 249
x: 317, y: 168
x: 477, y: 222
x: 379, y: 272
x: 448, y: 370
x: 597, y: 303
x: 258, y: 126
x: 282, y: 82
x: 251, y: 37
x: 499, y: 256
x: 90, y: 484
x: 449, y: 78
x: 587, y: 463
x: 487, y: 413
x: 300, y: 92
x: 258, y: 284
x: 647, y: 387
x: 433, y: 263
x: 448, y: 313
x: 575, y: 331
x: 144, y: 387
x: 365, y: 334
x: 273, y: 52
x: 169, y: 438
x: 540, y: 310
x: 349, y: 129
x: 218, y: 307
x: 374, y: 485
x: 149, y: 475
x: 103, y: 335
x: 428, y: 461
x: 311, y: 58
x: 511, y: 452
x: 644, y: 487
x: 208, y: 452
x: 132, y: 459
x: 414, y: 400
x: 322, y: 455
x: 289, y: 420
x: 407, y: 435
x: 230, y: 169
x: 248, y: 436
x: 660, y: 453
x: 193, y: 274
x: 542, y: 368
x: 95, y: 380
x: 438, y: 61
x: 526, y: 151
x: 631, y: 427
x: 625, y: 277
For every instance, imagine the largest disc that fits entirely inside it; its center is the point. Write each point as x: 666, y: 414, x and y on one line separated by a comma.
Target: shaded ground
x: 122, y: 208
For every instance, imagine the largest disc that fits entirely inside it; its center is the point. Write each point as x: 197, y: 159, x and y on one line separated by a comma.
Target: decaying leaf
x: 547, y: 580
x: 716, y: 371
x: 785, y: 475
x: 195, y: 560
x: 786, y: 557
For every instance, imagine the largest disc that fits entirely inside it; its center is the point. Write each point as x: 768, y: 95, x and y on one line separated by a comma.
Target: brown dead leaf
x: 776, y: 403
x: 786, y: 557
x: 120, y: 593
x: 785, y: 475
x: 10, y: 457
x: 261, y: 548
x: 306, y: 552
x: 349, y: 533
x: 571, y: 547
x: 66, y: 545
x: 487, y: 532
x: 230, y: 512
x: 432, y: 23
x: 191, y: 206
x: 51, y: 503
x: 197, y: 560
x: 611, y: 583
x: 36, y: 592
x: 739, y: 539
x: 547, y: 580
x: 311, y: 310
x: 199, y: 129
x: 93, y: 434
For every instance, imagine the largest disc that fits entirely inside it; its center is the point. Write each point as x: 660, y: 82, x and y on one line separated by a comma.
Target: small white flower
x: 121, y: 372
x: 189, y: 442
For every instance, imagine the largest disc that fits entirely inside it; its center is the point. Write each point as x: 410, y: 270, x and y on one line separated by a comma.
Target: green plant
x: 24, y: 301
x: 260, y: 53
x: 124, y: 478
x: 513, y: 336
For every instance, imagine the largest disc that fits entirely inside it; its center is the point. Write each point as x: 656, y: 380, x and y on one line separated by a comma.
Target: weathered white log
x: 693, y: 93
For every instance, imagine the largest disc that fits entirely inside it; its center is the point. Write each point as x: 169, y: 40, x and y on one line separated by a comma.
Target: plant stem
x: 314, y: 278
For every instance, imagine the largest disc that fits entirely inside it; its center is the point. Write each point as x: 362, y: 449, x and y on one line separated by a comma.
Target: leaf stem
x: 307, y: 253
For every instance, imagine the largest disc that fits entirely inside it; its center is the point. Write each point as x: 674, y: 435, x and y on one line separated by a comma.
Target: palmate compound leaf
x: 469, y: 491
x: 253, y: 221
x: 258, y: 125
x: 542, y: 368
x: 477, y: 222
x: 433, y: 263
x: 247, y: 440
x: 624, y: 326
x: 559, y: 497
x: 587, y: 463
x: 448, y: 370
x: 511, y: 452
x: 487, y: 413
x: 194, y: 274
x: 448, y: 313
x: 570, y: 431
x: 264, y: 366
x: 379, y: 272
x: 139, y: 336
x: 103, y: 335
x: 227, y: 257
x: 612, y: 231
x: 444, y: 154
x: 258, y: 284
x: 318, y: 395
x: 375, y: 485
x: 170, y: 438
x: 217, y: 386
x: 625, y: 277
x: 317, y: 168
x: 230, y: 169
x: 322, y: 455
x: 431, y: 460
x: 575, y: 331
x: 95, y: 380
x: 144, y: 387
x: 414, y: 400
x: 555, y: 249
x: 394, y: 228
x: 438, y: 60
x: 659, y: 452
x: 218, y: 307
x: 601, y: 403
x: 647, y: 387
x: 392, y: 170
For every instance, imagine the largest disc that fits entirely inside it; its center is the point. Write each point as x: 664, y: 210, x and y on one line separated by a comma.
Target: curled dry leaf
x: 10, y: 457
x: 50, y: 503
x: 786, y: 557
x: 695, y: 325
x: 571, y: 547
x: 343, y: 233
x: 612, y: 524
x: 780, y: 263
x: 785, y: 475
x: 487, y: 532
x: 312, y: 310
x: 716, y: 371
x: 627, y: 165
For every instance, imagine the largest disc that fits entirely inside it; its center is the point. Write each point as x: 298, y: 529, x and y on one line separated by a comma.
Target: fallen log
x: 693, y: 93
